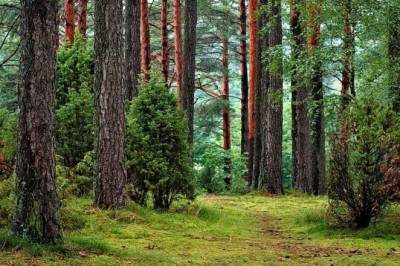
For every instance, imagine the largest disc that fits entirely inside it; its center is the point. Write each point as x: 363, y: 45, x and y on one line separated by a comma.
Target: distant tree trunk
x: 300, y: 120
x: 271, y: 170
x: 164, y: 40
x: 244, y: 80
x: 69, y: 7
x: 252, y: 83
x: 110, y: 173
x: 37, y: 205
x: 132, y: 62
x: 226, y: 115
x: 317, y: 110
x: 348, y: 88
x: 394, y: 57
x: 178, y: 49
x: 145, y: 38
x: 189, y: 67
x: 82, y: 17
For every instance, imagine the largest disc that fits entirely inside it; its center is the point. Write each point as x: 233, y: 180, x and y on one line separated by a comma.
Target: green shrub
x: 158, y: 154
x: 365, y: 144
x: 75, y: 102
x: 7, y: 201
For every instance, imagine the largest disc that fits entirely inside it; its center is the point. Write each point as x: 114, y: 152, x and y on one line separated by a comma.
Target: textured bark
x: 226, y: 115
x: 348, y: 88
x: 317, y: 110
x: 252, y: 83
x: 37, y: 204
x: 394, y: 57
x: 82, y: 17
x: 189, y: 67
x: 178, y: 49
x: 261, y: 84
x: 164, y: 40
x: 69, y: 7
x: 271, y: 168
x: 110, y: 173
x: 145, y: 38
x: 300, y: 120
x: 132, y: 61
x: 244, y: 80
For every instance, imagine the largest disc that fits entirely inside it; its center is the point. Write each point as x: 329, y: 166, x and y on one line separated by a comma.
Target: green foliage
x: 366, y: 143
x: 8, y: 124
x: 158, y: 152
x: 6, y: 201
x: 75, y: 102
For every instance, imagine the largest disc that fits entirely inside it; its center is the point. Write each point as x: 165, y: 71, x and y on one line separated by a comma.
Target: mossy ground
x: 215, y: 230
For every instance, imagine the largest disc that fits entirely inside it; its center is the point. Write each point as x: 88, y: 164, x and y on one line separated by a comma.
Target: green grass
x: 214, y: 230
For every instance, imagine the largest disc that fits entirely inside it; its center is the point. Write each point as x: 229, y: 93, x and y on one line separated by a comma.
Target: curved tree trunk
x: 145, y: 38
x: 189, y: 61
x: 394, y: 57
x: 37, y: 204
x: 132, y: 61
x: 110, y: 173
x: 178, y: 49
x: 69, y: 7
x: 82, y: 17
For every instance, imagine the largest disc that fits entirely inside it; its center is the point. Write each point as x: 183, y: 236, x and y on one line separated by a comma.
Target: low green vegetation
x: 213, y: 230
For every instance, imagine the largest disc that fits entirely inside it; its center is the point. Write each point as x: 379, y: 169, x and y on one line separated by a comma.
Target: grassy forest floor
x: 215, y: 230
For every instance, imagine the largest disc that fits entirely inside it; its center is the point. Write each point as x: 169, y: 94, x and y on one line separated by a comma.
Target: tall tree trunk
x: 226, y: 115
x: 271, y: 170
x: 37, y: 205
x: 189, y: 67
x: 145, y: 38
x: 253, y: 31
x: 178, y: 49
x: 300, y: 120
x: 69, y: 7
x: 82, y: 17
x: 164, y: 40
x: 110, y: 173
x: 261, y: 85
x: 132, y: 62
x: 394, y: 57
x: 348, y: 88
x: 317, y: 110
x: 244, y: 80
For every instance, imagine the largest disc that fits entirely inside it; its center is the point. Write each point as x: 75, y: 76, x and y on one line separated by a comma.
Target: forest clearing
x: 213, y: 230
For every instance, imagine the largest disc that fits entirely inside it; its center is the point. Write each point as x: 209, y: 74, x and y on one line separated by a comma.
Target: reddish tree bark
x: 145, y: 38
x: 348, y: 88
x: 244, y: 80
x: 164, y: 40
x: 252, y: 80
x: 317, y: 110
x: 226, y: 114
x: 69, y: 7
x: 300, y: 120
x: 82, y: 17
x: 178, y: 49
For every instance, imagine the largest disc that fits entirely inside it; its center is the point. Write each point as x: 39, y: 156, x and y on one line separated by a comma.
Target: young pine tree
x: 158, y: 150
